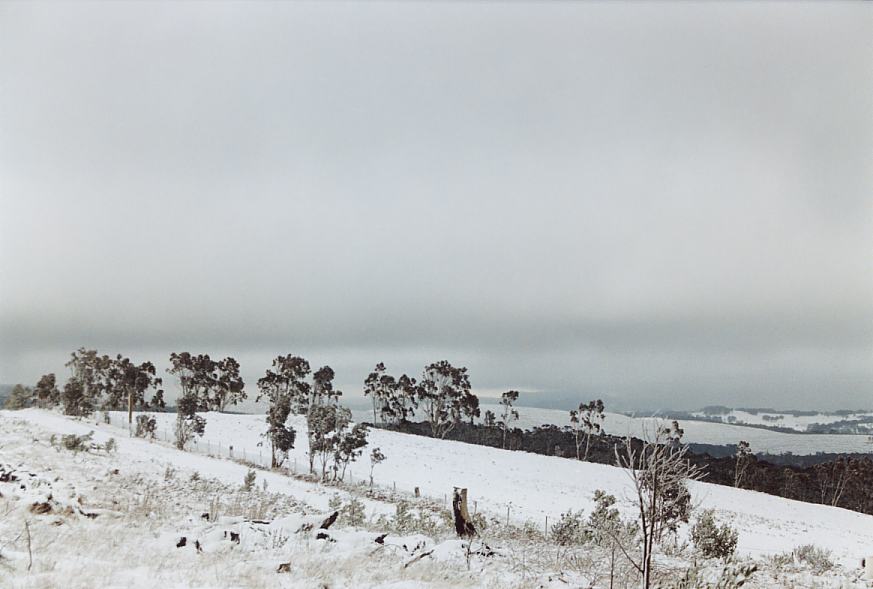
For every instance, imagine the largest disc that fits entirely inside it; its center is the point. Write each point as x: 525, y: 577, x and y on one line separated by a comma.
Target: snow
x: 530, y: 487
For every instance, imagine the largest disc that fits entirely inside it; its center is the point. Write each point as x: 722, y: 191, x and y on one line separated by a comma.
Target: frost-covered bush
x: 110, y: 446
x: 731, y: 576
x: 570, y: 529
x: 76, y: 443
x: 818, y: 559
x: 712, y: 540
x: 407, y: 519
x: 249, y: 480
x: 350, y: 513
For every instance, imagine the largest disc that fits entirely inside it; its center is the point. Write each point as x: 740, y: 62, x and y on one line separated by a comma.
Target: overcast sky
x: 663, y: 204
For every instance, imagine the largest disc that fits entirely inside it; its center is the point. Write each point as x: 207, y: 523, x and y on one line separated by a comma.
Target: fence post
x: 546, y: 529
x: 507, y: 516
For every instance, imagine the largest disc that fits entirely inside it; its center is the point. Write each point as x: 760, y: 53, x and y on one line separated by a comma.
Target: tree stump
x: 463, y: 522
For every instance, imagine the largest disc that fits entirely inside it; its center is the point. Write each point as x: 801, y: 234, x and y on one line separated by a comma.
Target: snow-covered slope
x: 531, y: 487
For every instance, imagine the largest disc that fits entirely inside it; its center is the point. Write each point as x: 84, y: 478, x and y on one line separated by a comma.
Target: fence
x: 261, y: 457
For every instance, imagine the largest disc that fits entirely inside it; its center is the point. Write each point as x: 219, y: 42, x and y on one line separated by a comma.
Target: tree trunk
x: 129, y: 407
x: 463, y: 523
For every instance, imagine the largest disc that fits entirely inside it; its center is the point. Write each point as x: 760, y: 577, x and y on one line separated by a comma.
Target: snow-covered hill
x: 531, y: 487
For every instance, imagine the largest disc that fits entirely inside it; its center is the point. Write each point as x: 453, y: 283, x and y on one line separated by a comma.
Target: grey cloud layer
x: 665, y: 201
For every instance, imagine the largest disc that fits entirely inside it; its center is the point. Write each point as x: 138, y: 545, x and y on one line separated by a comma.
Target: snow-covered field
x: 704, y: 432
x: 143, y: 512
x: 800, y: 423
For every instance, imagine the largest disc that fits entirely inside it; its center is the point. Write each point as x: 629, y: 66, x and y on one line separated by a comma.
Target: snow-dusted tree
x: 87, y: 373
x: 74, y: 400
x: 228, y: 387
x: 332, y: 440
x: 130, y: 384
x: 489, y: 419
x: 376, y: 457
x: 373, y: 388
x: 188, y: 423
x: 444, y: 394
x: 509, y: 413
x: 197, y: 377
x: 349, y: 446
x: 19, y: 398
x: 46, y: 393
x: 281, y: 435
x: 404, y: 400
x: 321, y: 416
x: 285, y: 388
x: 743, y: 458
x: 659, y: 471
x: 586, y: 421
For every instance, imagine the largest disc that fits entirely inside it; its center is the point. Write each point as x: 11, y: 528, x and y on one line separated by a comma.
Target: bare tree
x: 509, y: 413
x: 586, y: 421
x: 832, y: 479
x: 744, y: 458
x: 659, y: 470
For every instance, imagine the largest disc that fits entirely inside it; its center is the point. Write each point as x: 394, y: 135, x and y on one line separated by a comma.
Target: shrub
x: 76, y: 443
x: 110, y: 446
x: 731, y: 576
x: 351, y: 513
x: 818, y: 559
x: 249, y: 480
x: 570, y: 529
x: 712, y: 540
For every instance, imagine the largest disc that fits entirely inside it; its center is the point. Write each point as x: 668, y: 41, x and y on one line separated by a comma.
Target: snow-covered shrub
x: 570, y: 529
x: 711, y: 539
x: 110, y: 446
x: 818, y: 559
x: 350, y: 513
x: 76, y: 443
x: 731, y: 576
x: 407, y: 520
x: 249, y: 480
x: 146, y: 427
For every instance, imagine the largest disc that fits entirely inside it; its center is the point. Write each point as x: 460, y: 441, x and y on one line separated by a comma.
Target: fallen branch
x: 417, y: 558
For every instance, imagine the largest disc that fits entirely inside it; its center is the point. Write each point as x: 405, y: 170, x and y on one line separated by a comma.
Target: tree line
x: 101, y: 382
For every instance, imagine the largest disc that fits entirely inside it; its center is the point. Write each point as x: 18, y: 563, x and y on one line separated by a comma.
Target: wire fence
x: 261, y: 456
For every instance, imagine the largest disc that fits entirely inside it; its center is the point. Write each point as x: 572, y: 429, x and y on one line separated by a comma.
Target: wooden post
x: 463, y: 521
x: 130, y: 408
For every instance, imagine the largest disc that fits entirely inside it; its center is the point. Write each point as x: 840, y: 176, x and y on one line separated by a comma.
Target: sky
x: 664, y: 205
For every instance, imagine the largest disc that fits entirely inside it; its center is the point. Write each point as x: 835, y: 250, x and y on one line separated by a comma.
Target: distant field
x: 702, y: 432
